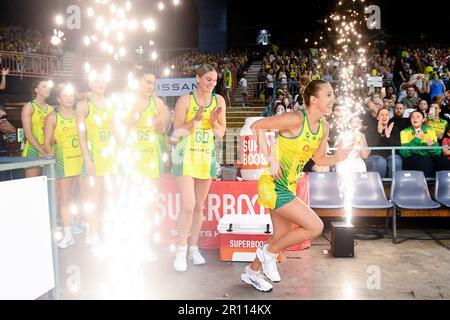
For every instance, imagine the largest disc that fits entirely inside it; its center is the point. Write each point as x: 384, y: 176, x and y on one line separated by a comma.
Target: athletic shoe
x: 269, y: 263
x: 76, y: 229
x: 196, y: 257
x: 256, y: 280
x: 66, y: 242
x: 180, y: 263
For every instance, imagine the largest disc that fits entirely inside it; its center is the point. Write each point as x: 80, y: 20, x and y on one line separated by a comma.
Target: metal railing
x: 14, y: 163
x: 30, y: 64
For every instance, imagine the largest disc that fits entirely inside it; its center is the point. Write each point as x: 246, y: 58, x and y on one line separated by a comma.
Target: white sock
x: 68, y: 232
x: 182, y: 248
x: 193, y: 248
x: 250, y: 270
x: 265, y: 249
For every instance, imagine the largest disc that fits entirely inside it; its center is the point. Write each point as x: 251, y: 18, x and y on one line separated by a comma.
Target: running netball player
x: 302, y: 135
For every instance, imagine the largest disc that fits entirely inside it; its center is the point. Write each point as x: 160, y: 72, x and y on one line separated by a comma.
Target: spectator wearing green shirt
x: 227, y: 83
x: 420, y: 135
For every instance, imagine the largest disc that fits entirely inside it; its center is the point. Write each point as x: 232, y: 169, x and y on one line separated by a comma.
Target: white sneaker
x: 76, y: 230
x: 269, y: 263
x: 66, y: 242
x: 180, y: 263
x: 196, y: 257
x: 256, y: 280
x: 149, y: 256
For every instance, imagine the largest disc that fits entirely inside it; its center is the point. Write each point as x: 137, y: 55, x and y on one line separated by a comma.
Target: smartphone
x: 431, y: 113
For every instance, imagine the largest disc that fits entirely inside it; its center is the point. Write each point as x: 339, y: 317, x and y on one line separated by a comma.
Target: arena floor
x: 414, y: 269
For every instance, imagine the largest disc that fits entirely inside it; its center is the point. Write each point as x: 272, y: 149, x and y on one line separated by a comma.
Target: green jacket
x: 407, y: 138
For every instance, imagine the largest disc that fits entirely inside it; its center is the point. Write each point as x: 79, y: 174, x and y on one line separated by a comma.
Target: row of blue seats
x: 409, y: 190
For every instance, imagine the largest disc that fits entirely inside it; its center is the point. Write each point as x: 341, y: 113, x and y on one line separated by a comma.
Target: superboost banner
x: 175, y: 87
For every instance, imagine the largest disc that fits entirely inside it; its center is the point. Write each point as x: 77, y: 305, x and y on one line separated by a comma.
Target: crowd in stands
x: 410, y: 109
x: 230, y: 67
x: 25, y: 40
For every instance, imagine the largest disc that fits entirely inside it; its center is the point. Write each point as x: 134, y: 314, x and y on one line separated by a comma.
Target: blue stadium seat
x: 410, y: 191
x: 324, y: 190
x: 369, y: 191
x: 442, y: 188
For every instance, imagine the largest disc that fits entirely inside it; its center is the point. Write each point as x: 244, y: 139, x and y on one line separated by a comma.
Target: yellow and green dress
x: 67, y: 150
x: 37, y: 129
x: 146, y: 142
x: 99, y: 132
x: 292, y: 153
x: 195, y: 154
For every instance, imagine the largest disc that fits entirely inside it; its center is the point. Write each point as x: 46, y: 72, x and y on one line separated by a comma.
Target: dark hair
x: 34, y: 86
x: 379, y: 110
x: 311, y: 90
x: 416, y: 110
x: 203, y: 69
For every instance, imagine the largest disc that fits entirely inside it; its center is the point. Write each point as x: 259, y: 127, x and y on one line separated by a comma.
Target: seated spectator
x: 354, y: 162
x: 423, y: 106
x: 435, y: 122
x: 383, y: 135
x: 417, y: 135
x: 279, y: 108
x: 399, y: 119
x: 390, y: 94
x: 370, y: 118
x: 410, y: 101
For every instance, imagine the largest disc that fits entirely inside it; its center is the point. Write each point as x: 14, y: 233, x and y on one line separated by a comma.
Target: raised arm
x: 321, y: 158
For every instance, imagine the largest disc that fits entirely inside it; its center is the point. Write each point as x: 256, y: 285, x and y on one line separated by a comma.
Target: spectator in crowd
x: 399, y: 73
x: 355, y: 160
x: 435, y: 122
x: 279, y: 108
x: 436, y: 86
x: 390, y: 94
x: 370, y: 118
x: 399, y: 119
x: 418, y: 135
x: 269, y: 85
x: 227, y: 84
x: 383, y: 135
x: 410, y: 101
x: 244, y: 88
x: 423, y: 106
